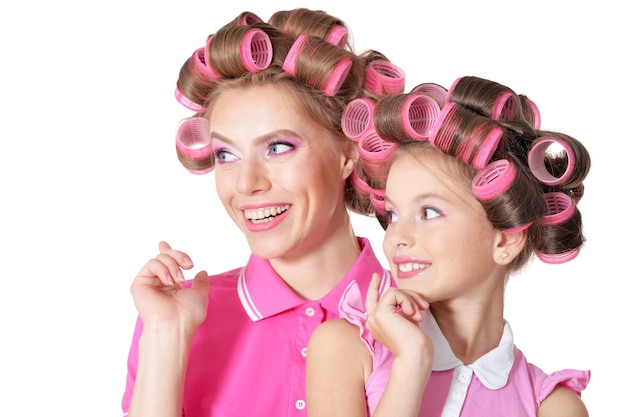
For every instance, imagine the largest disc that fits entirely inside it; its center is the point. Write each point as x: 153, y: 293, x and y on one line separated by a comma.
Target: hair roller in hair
x: 375, y: 152
x: 500, y: 102
x: 561, y: 208
x: 531, y: 112
x: 383, y: 77
x: 466, y: 135
x: 337, y: 35
x: 358, y: 118
x: 201, y: 61
x: 558, y: 258
x: 406, y: 117
x: 357, y: 180
x: 504, y: 106
x: 193, y: 145
x: 433, y: 90
x: 256, y: 50
x: 248, y: 18
x: 537, y: 165
x: 493, y: 180
x: 187, y: 102
x: 377, y: 198
x: 305, y: 57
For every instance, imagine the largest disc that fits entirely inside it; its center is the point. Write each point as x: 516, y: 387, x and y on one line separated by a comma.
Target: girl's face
x: 277, y: 172
x: 439, y: 242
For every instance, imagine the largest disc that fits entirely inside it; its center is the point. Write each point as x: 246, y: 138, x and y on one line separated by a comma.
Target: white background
x: 89, y: 181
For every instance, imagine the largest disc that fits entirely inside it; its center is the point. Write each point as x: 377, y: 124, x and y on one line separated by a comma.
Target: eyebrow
x: 262, y: 138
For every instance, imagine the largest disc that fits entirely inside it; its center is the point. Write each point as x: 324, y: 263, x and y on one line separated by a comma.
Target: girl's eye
x: 280, y: 147
x: 391, y: 216
x: 430, y: 213
x: 224, y: 156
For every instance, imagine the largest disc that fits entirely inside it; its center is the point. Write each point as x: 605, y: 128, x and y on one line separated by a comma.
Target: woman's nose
x: 253, y: 177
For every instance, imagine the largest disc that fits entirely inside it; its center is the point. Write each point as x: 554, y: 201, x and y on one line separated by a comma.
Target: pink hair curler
x: 433, y: 90
x: 517, y: 229
x: 375, y: 152
x: 439, y: 138
x: 193, y: 141
x: 377, y: 198
x: 487, y: 147
x: 338, y: 36
x: 494, y: 180
x: 336, y: 78
x: 256, y: 50
x: 249, y: 18
x: 504, y: 107
x: 535, y: 115
x: 561, y: 208
x: 383, y: 77
x: 358, y: 118
x: 289, y: 66
x: 419, y: 114
x: 537, y: 165
x: 451, y: 89
x: 558, y: 258
x: 201, y: 61
x: 357, y: 180
x: 188, y: 103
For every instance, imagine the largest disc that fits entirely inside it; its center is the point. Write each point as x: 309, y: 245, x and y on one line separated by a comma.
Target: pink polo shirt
x: 248, y: 357
x: 500, y: 383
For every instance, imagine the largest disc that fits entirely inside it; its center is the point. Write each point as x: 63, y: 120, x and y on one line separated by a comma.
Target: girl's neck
x: 472, y: 330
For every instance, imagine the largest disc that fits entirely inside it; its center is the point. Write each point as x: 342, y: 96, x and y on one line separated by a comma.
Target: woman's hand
x: 160, y: 296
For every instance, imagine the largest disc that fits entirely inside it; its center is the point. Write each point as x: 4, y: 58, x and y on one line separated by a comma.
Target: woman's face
x: 439, y: 242
x: 277, y: 172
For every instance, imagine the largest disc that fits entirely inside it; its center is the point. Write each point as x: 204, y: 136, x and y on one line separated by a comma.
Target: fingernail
x: 180, y: 276
x: 187, y: 261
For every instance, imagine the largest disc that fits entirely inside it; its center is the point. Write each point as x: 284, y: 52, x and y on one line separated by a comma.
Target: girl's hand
x: 158, y: 293
x: 393, y: 319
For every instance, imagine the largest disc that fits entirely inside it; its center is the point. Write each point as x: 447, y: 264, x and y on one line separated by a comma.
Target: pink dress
x: 501, y: 382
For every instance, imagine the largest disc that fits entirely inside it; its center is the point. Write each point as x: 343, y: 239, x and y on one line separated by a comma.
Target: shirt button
x: 303, y: 352
x: 463, y: 377
x: 300, y: 404
x: 457, y: 395
x: 310, y: 311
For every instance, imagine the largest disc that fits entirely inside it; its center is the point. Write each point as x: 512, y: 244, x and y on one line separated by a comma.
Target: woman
x: 268, y: 99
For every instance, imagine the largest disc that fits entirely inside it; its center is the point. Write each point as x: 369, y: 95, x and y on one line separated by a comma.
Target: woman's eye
x: 223, y: 156
x: 277, y: 148
x: 431, y: 213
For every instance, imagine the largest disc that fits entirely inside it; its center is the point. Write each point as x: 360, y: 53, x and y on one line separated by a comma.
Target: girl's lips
x: 409, y: 267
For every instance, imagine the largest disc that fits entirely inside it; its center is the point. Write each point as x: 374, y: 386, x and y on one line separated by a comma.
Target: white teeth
x: 411, y: 267
x: 265, y: 214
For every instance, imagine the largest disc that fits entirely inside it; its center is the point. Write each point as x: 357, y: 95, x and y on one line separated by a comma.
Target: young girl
x: 268, y: 99
x: 464, y: 208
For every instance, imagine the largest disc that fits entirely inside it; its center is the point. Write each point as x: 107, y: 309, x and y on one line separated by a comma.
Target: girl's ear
x: 508, y: 245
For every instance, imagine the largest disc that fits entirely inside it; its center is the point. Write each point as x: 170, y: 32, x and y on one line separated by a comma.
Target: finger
x: 201, y: 282
x: 183, y: 260
x: 373, y: 292
x: 164, y: 246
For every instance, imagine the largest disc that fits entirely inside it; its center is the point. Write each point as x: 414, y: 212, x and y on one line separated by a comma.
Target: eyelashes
x: 223, y: 153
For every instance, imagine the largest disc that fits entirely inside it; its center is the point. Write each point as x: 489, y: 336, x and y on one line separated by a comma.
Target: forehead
x: 428, y: 170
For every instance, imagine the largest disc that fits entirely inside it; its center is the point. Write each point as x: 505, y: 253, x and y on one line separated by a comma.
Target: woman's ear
x: 508, y: 245
x: 350, y: 160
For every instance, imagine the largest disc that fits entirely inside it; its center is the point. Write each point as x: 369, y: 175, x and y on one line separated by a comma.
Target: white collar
x: 492, y: 369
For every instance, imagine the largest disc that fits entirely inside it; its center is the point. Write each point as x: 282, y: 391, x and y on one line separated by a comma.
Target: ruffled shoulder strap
x: 352, y: 308
x: 572, y: 379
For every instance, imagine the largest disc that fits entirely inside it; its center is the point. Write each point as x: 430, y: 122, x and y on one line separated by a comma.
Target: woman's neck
x: 314, y: 274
